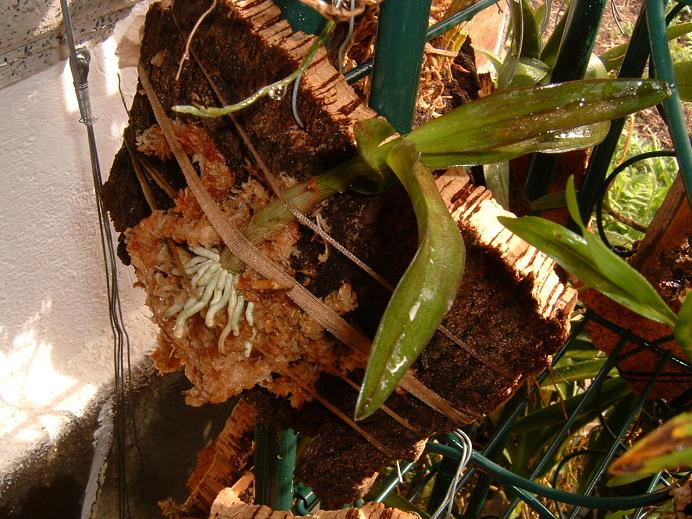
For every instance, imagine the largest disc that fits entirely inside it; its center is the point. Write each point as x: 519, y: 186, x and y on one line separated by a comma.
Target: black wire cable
x: 79, y: 65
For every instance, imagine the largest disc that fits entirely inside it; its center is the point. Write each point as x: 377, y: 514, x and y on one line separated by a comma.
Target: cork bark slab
x: 511, y: 308
x: 229, y: 506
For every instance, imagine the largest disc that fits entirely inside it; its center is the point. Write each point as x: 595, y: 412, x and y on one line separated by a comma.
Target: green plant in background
x: 612, y: 58
x: 636, y: 194
x: 587, y: 258
x: 530, y: 60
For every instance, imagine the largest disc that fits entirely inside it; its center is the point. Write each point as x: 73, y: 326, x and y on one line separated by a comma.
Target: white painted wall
x: 55, y: 338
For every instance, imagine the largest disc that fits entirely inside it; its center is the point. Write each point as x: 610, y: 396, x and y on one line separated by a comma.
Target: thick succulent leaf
x: 667, y: 448
x: 552, y: 46
x: 588, y: 259
x: 425, y: 292
x: 683, y: 328
x: 511, y: 116
x: 549, y: 142
x: 369, y: 135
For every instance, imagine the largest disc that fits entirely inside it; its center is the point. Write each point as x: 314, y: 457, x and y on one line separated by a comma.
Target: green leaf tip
x: 590, y: 260
x: 425, y: 292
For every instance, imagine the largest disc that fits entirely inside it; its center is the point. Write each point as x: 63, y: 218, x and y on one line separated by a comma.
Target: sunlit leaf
x: 612, y: 58
x: 590, y: 260
x: 667, y: 448
x: 511, y: 116
x: 552, y: 46
x: 425, y: 292
x: 529, y: 72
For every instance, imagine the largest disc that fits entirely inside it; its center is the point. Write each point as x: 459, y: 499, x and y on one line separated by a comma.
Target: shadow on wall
x: 169, y: 436
x: 55, y: 339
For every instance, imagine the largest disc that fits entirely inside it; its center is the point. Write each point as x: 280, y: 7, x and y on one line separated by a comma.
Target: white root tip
x: 174, y: 309
x: 237, y: 312
x: 250, y: 313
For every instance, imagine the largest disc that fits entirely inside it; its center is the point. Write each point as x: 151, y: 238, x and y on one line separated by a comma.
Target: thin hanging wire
x: 342, y: 49
x: 79, y: 65
x: 349, y: 35
x: 466, y: 451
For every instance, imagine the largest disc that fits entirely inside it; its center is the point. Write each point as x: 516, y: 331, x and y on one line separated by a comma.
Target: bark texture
x: 511, y: 308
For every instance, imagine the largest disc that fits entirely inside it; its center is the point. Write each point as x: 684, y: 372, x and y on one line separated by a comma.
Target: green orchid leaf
x: 425, y: 292
x: 643, y: 298
x: 493, y: 58
x: 511, y: 116
x: 683, y: 77
x: 683, y: 328
x: 612, y: 390
x: 573, y: 205
x: 548, y: 142
x: 550, y: 201
x: 667, y: 448
x: 574, y: 372
x: 506, y: 72
x: 588, y: 259
x: 552, y: 46
x: 595, y: 69
x: 369, y: 135
x: 531, y: 34
x: 612, y: 58
x: 529, y: 72
x: 496, y: 177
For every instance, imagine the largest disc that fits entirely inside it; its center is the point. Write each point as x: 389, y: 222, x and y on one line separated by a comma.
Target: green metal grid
x: 399, y: 48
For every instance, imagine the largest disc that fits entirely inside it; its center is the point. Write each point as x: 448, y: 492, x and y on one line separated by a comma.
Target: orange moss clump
x: 289, y: 348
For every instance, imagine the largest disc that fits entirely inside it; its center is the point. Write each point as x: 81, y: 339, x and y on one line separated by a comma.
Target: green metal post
x: 632, y: 67
x: 572, y: 60
x: 275, y: 458
x: 398, y: 56
x: 672, y: 107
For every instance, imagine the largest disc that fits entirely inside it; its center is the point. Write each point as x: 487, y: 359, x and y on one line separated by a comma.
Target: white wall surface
x: 31, y: 32
x: 55, y: 337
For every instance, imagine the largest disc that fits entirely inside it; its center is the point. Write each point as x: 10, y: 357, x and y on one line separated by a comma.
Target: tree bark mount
x: 512, y: 307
